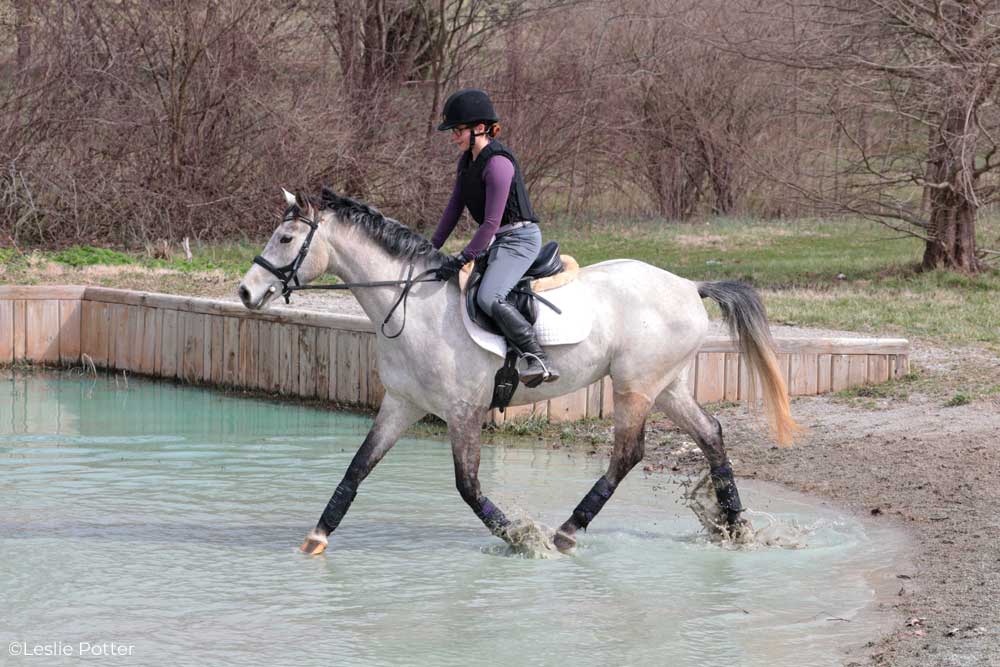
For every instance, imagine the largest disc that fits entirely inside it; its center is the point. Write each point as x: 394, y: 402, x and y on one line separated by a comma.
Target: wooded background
x: 125, y: 121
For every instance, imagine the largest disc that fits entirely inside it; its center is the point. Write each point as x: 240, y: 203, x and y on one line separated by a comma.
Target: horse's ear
x: 289, y: 197
x: 300, y: 201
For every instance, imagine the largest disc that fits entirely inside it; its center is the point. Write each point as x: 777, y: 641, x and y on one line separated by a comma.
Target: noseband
x: 290, y: 272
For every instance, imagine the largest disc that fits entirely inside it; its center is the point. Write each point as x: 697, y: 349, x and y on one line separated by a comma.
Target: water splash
x: 699, y: 496
x: 526, y: 538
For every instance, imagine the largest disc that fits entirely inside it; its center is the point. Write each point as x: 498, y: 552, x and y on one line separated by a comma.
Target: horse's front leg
x: 465, y: 425
x: 631, y: 410
x: 394, y: 417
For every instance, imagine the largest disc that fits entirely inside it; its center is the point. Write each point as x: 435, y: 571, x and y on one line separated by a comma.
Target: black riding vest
x: 470, y: 172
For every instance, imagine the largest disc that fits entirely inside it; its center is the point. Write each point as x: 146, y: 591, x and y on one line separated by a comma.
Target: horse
x: 648, y: 325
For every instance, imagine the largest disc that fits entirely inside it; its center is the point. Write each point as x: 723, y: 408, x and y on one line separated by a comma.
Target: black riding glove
x: 449, y: 267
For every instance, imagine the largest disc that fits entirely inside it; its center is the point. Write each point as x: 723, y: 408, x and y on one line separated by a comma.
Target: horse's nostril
x: 244, y: 295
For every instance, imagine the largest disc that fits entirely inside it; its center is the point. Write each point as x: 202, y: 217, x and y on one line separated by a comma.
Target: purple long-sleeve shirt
x: 498, y: 175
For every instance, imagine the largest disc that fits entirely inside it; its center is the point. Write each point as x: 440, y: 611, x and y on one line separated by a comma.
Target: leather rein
x: 289, y: 273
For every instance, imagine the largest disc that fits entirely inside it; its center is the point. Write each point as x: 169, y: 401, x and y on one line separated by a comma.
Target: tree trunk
x: 951, y: 240
x: 22, y: 31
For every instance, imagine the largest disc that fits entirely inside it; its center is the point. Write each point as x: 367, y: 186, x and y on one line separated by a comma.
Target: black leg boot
x: 520, y: 334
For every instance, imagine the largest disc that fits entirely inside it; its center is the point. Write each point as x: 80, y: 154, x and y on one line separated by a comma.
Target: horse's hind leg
x: 631, y: 410
x: 678, y: 403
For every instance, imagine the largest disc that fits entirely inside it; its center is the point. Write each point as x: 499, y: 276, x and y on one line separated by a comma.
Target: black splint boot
x: 520, y: 334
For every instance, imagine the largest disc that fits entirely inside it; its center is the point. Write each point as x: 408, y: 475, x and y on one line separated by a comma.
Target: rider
x: 490, y: 185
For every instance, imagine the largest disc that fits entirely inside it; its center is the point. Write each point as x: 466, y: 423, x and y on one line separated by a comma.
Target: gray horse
x: 648, y: 326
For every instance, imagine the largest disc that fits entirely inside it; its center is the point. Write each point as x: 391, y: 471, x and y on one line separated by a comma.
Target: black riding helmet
x: 468, y: 107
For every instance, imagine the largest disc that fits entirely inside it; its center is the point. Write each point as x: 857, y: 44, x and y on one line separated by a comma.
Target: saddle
x: 548, y: 265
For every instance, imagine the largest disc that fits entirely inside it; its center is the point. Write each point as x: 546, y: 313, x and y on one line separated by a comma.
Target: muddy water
x: 161, y: 522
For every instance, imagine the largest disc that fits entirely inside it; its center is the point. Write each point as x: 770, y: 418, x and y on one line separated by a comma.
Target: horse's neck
x: 355, y: 258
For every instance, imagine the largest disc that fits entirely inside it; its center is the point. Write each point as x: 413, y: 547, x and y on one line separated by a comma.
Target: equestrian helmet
x: 468, y: 107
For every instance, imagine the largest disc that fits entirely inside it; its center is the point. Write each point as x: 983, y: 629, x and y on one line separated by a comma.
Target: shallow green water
x: 165, y: 519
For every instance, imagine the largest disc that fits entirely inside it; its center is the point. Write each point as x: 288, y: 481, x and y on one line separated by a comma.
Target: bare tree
x: 922, y: 74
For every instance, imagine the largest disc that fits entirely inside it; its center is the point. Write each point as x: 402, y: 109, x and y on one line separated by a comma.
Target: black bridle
x: 289, y: 273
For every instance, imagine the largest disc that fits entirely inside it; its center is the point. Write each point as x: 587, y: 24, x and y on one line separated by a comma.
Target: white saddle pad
x: 551, y: 328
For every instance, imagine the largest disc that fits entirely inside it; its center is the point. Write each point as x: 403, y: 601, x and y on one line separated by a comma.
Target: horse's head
x: 292, y: 256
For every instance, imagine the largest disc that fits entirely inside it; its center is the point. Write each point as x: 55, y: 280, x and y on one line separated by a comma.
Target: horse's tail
x: 747, y: 320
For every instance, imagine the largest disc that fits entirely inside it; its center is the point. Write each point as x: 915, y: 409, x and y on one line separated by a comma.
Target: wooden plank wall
x: 332, y: 357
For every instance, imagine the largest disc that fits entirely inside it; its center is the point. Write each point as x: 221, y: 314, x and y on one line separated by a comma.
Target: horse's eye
x: 286, y: 239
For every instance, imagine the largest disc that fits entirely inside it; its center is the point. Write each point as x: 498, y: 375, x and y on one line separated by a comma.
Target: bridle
x: 289, y: 274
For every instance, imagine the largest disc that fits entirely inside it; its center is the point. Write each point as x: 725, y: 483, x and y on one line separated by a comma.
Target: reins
x: 290, y: 273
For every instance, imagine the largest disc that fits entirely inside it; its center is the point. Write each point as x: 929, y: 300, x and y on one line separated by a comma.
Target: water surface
x: 167, y: 518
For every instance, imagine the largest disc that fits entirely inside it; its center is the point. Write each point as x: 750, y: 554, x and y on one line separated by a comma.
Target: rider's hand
x: 449, y: 267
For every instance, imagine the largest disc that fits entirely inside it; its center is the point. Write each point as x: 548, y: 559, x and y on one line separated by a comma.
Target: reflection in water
x: 167, y: 518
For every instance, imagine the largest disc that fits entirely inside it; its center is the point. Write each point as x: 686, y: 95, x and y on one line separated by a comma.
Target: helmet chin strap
x: 473, y: 134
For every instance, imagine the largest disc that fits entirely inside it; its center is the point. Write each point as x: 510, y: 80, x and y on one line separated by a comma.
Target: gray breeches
x: 511, y: 255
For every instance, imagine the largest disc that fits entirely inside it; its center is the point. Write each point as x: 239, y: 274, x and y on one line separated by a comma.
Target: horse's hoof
x: 313, y: 546
x: 563, y: 541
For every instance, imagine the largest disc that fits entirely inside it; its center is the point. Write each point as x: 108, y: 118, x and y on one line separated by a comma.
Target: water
x: 165, y: 519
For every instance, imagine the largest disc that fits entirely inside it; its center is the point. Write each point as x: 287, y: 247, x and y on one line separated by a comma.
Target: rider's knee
x: 486, y: 301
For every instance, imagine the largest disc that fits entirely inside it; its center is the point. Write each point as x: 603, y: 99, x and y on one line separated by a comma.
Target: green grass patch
x: 957, y: 400
x: 78, y: 256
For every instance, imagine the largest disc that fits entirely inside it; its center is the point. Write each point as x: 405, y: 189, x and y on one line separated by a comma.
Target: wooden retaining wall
x: 332, y: 357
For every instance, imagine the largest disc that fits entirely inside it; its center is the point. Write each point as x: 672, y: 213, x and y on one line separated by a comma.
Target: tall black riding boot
x: 520, y: 334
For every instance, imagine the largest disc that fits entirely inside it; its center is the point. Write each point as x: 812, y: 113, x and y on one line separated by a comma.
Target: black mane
x: 393, y: 236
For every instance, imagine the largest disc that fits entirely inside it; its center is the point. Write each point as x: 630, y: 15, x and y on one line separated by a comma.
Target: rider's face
x: 460, y: 136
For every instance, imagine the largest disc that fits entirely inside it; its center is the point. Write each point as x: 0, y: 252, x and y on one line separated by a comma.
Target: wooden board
x: 307, y: 361
x: 6, y: 332
x: 216, y: 352
x: 118, y: 349
x: 267, y: 362
x: 321, y: 363
x: 568, y: 407
x: 70, y: 331
x: 42, y: 292
x: 804, y: 371
x: 246, y: 374
x: 100, y: 353
x: 840, y: 365
x: 288, y: 367
x: 230, y: 351
x: 136, y: 333
x: 732, y: 373
x: 42, y: 331
x: 147, y: 355
x: 348, y: 362
x: 857, y: 370
x: 20, y: 331
x: 711, y: 377
x: 824, y: 370
x: 170, y: 343
x: 192, y: 360
x: 878, y: 368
